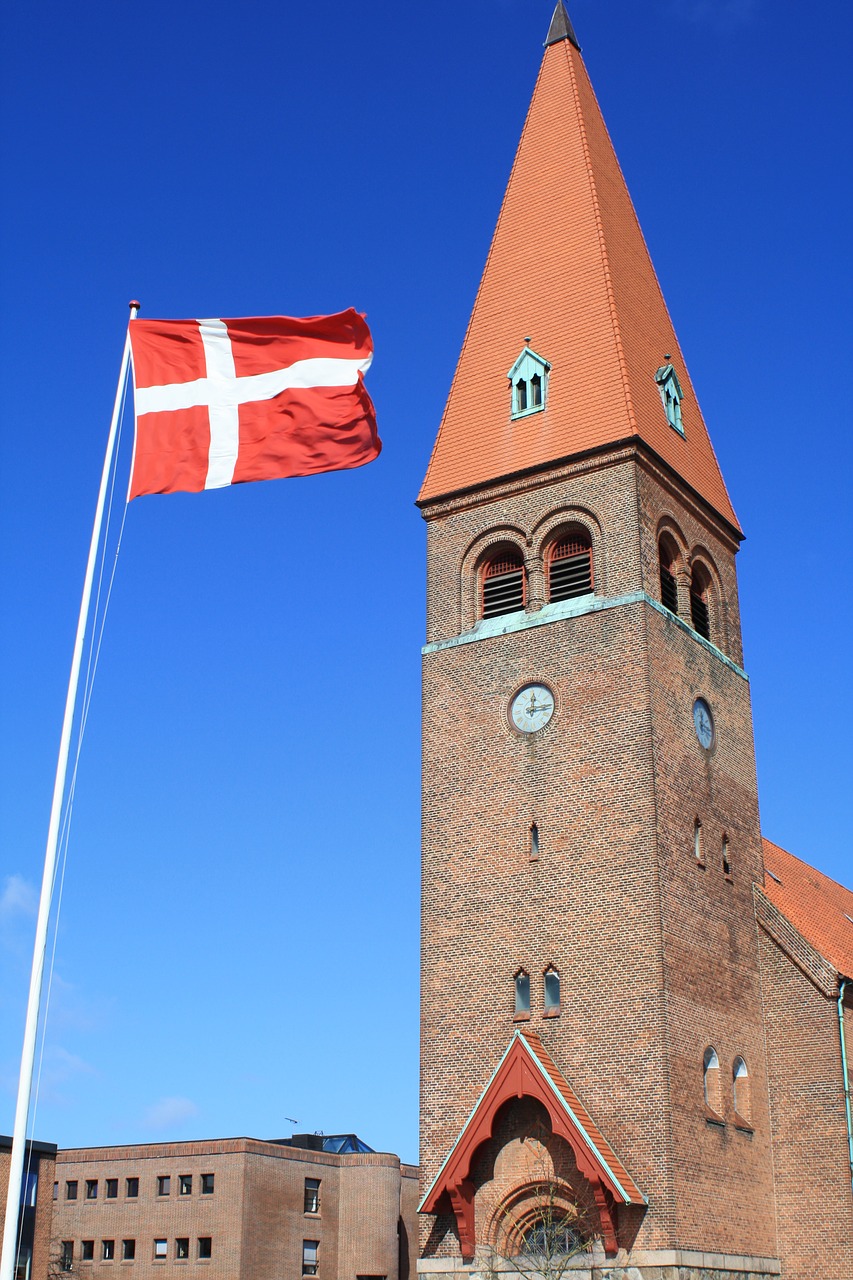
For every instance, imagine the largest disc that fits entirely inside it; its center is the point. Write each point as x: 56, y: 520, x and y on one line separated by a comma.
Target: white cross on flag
x: 220, y: 402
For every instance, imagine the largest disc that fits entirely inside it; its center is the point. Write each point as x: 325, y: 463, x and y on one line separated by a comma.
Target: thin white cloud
x: 72, y: 1009
x: 61, y: 1064
x: 167, y: 1113
x: 61, y: 1070
x: 19, y: 898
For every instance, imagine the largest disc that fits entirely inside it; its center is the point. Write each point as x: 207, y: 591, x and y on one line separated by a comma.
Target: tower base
x: 645, y: 1264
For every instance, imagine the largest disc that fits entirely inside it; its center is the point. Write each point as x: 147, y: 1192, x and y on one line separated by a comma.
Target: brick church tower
x: 593, y: 1055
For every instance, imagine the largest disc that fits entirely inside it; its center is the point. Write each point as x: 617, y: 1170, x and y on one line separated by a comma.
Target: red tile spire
x: 568, y: 266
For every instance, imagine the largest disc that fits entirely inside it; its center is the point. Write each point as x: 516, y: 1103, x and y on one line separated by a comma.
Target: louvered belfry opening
x: 699, y: 611
x: 504, y: 587
x: 668, y: 582
x: 570, y: 567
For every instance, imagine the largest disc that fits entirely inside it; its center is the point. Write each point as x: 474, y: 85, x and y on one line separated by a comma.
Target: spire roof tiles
x: 568, y: 264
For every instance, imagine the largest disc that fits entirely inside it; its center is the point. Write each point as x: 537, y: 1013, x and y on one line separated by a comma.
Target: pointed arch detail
x: 526, y: 1070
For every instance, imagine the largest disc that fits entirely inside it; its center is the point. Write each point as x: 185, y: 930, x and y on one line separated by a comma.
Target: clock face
x: 531, y: 708
x: 703, y: 723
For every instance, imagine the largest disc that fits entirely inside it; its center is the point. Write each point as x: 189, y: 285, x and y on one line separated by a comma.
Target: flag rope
x: 56, y: 826
x: 65, y: 830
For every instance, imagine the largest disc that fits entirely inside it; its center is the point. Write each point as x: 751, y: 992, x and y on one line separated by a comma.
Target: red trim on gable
x: 526, y: 1071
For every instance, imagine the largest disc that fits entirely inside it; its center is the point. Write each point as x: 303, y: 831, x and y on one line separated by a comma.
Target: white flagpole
x: 25, y: 1080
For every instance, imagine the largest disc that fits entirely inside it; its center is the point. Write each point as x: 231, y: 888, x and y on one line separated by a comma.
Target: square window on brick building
x: 205, y: 1247
x: 132, y: 1188
x: 310, y: 1250
x: 66, y: 1255
x: 182, y: 1247
x: 128, y: 1250
x: 108, y: 1250
x: 312, y: 1195
x: 185, y: 1184
x: 91, y: 1188
x: 164, y: 1184
x: 111, y: 1190
x: 161, y: 1248
x: 71, y: 1190
x: 87, y: 1250
x: 207, y: 1184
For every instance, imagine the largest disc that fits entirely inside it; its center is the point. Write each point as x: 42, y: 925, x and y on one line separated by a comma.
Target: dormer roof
x: 568, y: 264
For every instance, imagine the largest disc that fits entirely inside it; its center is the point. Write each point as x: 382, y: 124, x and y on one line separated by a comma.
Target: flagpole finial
x: 134, y: 308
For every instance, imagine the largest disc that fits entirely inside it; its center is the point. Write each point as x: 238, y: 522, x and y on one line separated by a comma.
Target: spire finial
x: 561, y: 27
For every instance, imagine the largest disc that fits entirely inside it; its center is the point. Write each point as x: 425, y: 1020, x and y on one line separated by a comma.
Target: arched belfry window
x: 504, y: 586
x: 671, y: 395
x: 668, y: 581
x: 528, y: 379
x: 569, y: 565
x: 700, y: 595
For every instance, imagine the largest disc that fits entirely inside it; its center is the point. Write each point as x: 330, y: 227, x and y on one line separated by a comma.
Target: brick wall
x: 658, y: 958
x: 149, y: 1216
x: 409, y: 1201
x: 813, y: 1202
x: 255, y: 1218
x: 40, y: 1158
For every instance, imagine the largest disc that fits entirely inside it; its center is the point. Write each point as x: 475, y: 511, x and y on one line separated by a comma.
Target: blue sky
x: 239, y: 932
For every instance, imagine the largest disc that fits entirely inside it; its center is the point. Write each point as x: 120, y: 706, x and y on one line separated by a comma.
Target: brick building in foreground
x: 36, y: 1206
x: 235, y: 1209
x: 633, y: 1009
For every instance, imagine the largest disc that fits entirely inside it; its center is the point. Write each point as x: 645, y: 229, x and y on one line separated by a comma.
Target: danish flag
x: 220, y: 402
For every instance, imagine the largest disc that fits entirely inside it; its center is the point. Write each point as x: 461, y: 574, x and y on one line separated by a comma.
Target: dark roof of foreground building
x: 341, y: 1144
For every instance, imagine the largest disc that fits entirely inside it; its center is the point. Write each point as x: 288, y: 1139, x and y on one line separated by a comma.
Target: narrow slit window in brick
x: 552, y: 992
x: 522, y: 993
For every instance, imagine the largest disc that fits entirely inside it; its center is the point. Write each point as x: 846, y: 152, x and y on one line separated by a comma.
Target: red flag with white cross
x: 221, y: 402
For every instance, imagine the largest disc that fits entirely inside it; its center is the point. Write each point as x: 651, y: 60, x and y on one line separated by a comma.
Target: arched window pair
x: 740, y: 1088
x: 699, y: 850
x: 550, y: 993
x: 568, y: 574
x: 700, y: 588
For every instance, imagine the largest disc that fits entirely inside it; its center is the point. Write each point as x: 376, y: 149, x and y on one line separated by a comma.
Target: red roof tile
x: 523, y: 1071
x: 819, y: 908
x: 633, y: 1194
x: 569, y: 267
